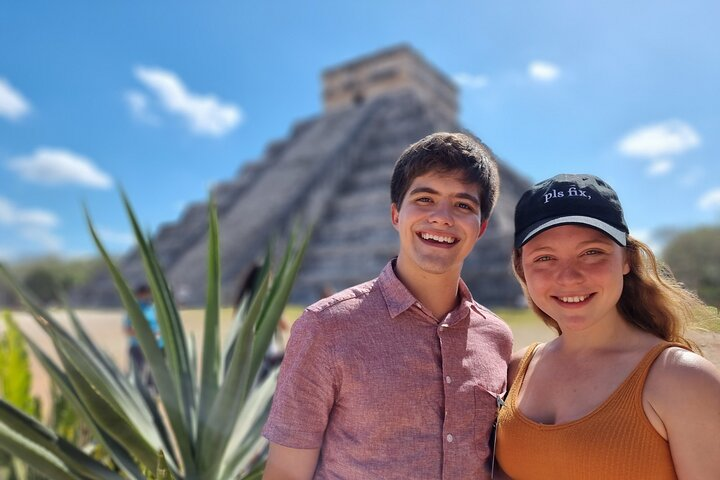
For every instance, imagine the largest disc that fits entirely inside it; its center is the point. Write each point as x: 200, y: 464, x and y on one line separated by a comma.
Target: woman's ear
x: 626, y: 262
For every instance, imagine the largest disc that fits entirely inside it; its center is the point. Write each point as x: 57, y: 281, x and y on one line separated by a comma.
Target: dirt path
x: 105, y: 327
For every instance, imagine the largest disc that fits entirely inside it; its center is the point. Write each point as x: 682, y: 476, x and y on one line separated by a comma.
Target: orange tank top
x: 614, y: 441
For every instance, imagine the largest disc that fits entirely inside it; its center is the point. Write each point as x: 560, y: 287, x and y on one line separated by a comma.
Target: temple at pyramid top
x: 390, y: 70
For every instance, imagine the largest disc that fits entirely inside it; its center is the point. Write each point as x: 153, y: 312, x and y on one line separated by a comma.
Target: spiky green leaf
x: 211, y: 362
x: 167, y: 387
x: 119, y: 454
x: 277, y: 299
x: 215, y: 434
x: 27, y: 437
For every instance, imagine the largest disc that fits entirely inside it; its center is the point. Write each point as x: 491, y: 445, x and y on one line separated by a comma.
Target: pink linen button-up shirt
x: 386, y: 391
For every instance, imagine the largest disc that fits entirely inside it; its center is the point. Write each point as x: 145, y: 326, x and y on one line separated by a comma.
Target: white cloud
x: 660, y: 167
x: 45, y: 238
x: 12, y: 104
x: 13, y: 216
x: 652, y: 239
x: 205, y: 114
x: 139, y: 106
x: 52, y: 166
x: 543, y: 71
x: 33, y: 225
x: 468, y: 80
x: 643, y: 235
x: 672, y: 137
x: 114, y: 237
x: 710, y: 200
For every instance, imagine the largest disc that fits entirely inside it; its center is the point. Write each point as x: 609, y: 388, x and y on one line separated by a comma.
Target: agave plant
x: 15, y: 387
x: 201, y: 425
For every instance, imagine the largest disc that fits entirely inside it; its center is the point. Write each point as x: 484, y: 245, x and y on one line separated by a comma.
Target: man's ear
x: 394, y: 215
x: 483, y: 226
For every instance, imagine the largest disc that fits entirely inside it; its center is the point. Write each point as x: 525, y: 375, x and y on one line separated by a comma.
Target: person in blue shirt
x: 138, y: 365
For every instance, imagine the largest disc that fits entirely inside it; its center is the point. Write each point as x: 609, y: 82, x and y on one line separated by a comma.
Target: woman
x: 620, y: 393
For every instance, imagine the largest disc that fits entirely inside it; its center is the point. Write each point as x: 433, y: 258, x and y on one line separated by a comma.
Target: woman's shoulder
x: 683, y: 391
x: 517, y: 358
x: 679, y: 376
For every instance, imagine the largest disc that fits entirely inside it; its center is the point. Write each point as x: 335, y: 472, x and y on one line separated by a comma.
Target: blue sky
x: 168, y: 98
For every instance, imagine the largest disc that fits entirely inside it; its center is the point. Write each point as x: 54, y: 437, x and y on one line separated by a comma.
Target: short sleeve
x: 306, y: 387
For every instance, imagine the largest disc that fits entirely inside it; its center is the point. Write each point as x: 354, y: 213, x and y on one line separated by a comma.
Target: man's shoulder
x: 352, y: 299
x: 488, y: 317
x: 337, y: 317
x: 486, y: 312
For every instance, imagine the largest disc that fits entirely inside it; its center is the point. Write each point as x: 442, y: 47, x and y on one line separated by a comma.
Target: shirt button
x: 449, y: 438
x: 448, y: 379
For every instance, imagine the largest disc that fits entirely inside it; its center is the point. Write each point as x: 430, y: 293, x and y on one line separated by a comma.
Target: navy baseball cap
x: 570, y: 199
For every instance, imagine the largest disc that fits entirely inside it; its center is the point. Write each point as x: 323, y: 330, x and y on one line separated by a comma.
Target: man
x: 398, y: 378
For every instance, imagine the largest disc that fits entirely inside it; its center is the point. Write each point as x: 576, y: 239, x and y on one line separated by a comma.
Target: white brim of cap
x: 618, y: 235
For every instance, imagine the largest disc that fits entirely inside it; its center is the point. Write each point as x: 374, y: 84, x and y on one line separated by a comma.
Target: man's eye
x: 543, y: 258
x: 424, y: 200
x: 466, y: 206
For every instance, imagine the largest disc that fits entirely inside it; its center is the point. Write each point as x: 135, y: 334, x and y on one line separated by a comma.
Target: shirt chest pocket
x: 487, y: 405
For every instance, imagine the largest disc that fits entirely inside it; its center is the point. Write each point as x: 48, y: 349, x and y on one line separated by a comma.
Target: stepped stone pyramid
x: 332, y: 171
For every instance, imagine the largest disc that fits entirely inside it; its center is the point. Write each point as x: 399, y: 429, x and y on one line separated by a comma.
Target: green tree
x: 694, y: 258
x: 51, y: 277
x: 43, y: 284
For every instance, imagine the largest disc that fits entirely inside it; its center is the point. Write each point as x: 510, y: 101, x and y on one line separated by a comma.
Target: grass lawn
x: 519, y: 317
x: 516, y: 317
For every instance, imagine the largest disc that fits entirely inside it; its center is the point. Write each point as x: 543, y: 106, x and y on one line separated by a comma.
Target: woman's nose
x: 569, y: 273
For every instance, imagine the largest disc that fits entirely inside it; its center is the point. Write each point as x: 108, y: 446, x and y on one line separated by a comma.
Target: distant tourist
x: 399, y: 377
x: 619, y: 394
x: 139, y: 368
x: 247, y: 288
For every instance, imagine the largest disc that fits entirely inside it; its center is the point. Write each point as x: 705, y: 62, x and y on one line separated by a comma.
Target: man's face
x: 439, y: 223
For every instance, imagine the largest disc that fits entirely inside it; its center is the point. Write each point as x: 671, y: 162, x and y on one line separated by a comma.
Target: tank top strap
x: 522, y: 370
x: 636, y: 379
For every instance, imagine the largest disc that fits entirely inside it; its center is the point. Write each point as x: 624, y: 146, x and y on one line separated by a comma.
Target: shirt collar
x: 398, y: 298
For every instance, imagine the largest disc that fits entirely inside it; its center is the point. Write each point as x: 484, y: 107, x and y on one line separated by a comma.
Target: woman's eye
x: 543, y: 258
x: 424, y: 200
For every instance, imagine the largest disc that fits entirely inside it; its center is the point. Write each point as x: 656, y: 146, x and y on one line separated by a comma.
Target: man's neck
x: 436, y: 292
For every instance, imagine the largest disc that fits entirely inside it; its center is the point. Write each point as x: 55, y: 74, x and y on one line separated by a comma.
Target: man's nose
x: 442, y: 213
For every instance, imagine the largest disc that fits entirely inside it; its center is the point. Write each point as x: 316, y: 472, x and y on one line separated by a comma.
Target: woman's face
x: 575, y: 275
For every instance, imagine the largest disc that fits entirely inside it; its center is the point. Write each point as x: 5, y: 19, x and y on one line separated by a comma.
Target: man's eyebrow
x: 423, y: 190
x: 470, y: 197
x: 467, y: 196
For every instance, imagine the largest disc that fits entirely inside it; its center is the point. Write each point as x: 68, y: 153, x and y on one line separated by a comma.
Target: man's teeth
x: 437, y: 238
x: 574, y: 299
